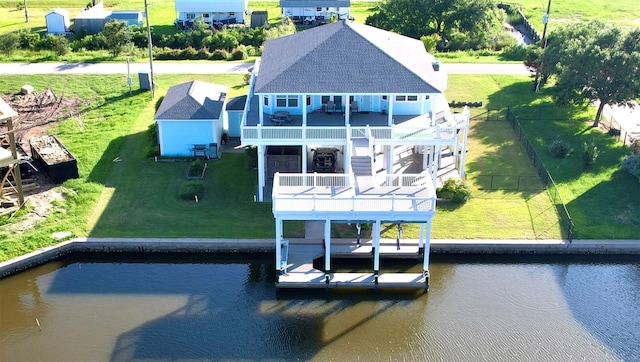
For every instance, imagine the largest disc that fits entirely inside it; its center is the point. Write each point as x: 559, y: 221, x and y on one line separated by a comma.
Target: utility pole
x: 153, y: 81
x: 543, y: 44
x: 26, y: 11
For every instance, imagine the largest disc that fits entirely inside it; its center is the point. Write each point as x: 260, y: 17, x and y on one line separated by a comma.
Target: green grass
x: 138, y: 197
x: 623, y: 12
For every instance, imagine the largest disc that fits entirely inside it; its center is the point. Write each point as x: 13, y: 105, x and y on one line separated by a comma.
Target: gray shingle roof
x: 346, y: 57
x: 192, y: 100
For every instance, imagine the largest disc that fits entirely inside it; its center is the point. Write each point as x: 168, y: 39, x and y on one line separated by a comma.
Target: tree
x: 593, y: 62
x: 116, y: 36
x: 473, y: 20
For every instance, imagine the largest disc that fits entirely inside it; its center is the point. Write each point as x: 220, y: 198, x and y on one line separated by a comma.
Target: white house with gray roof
x: 369, y: 95
x: 217, y: 12
x: 191, y: 120
x: 315, y: 11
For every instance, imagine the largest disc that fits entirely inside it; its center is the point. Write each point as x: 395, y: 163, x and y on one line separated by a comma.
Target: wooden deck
x: 300, y: 273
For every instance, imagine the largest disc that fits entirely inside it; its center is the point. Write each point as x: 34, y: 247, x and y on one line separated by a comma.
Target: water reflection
x: 226, y: 308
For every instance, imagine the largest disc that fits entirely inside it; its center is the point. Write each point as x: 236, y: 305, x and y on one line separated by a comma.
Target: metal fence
x: 508, y: 183
x: 542, y: 171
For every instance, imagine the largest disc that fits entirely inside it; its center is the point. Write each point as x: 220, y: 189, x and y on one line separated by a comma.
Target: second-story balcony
x: 334, y: 127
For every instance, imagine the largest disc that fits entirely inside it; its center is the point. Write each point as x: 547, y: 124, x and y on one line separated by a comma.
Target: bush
x: 430, y: 42
x: 220, y: 54
x: 590, y: 154
x: 9, y: 43
x: 514, y: 52
x: 57, y: 43
x: 456, y: 190
x: 559, y: 148
x: 631, y: 164
x: 239, y: 53
x: 28, y: 39
x: 190, y: 189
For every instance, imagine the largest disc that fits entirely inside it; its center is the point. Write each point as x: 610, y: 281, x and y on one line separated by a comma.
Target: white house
x: 57, y: 21
x: 210, y: 12
x: 315, y: 11
x: 190, y: 119
x: 368, y: 94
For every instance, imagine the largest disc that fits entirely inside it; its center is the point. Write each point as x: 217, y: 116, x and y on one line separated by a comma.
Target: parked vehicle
x: 324, y: 160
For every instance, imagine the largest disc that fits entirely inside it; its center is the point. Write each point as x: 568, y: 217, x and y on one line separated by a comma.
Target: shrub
x: 9, y: 43
x: 456, y: 190
x: 631, y: 164
x: 590, y: 154
x: 28, y: 39
x: 559, y: 148
x: 430, y: 42
x: 57, y: 43
x: 190, y: 189
x: 189, y: 53
x: 514, y: 52
x: 239, y: 53
x: 220, y: 54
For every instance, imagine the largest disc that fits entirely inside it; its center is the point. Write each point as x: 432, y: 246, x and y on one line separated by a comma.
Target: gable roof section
x: 346, y: 57
x: 192, y: 101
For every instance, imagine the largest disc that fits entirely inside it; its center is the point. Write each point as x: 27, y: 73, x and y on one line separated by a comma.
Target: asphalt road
x: 211, y: 68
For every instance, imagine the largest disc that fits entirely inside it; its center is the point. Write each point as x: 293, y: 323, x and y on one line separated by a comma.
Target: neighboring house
x: 191, y: 119
x: 315, y: 11
x: 369, y: 95
x: 92, y: 20
x: 57, y: 21
x: 210, y: 12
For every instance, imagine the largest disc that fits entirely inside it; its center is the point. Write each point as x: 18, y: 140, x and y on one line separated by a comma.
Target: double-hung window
x: 288, y: 101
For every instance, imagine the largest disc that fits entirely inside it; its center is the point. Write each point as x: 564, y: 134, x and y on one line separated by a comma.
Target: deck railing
x: 386, y: 202
x: 444, y: 134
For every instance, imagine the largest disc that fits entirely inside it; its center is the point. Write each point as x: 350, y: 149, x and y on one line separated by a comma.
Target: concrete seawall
x: 187, y: 245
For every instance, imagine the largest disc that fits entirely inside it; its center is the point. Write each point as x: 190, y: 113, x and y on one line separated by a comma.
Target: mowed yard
x: 138, y: 197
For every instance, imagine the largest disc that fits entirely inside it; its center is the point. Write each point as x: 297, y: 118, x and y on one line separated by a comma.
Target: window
x: 426, y: 98
x: 406, y: 98
x: 384, y: 98
x: 287, y: 101
x: 318, y: 9
x: 266, y: 101
x: 191, y: 16
x: 232, y: 14
x: 206, y: 16
x: 308, y: 100
x: 325, y: 99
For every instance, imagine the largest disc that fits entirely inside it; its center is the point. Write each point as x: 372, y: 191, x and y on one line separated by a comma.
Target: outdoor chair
x: 331, y: 107
x: 354, y: 106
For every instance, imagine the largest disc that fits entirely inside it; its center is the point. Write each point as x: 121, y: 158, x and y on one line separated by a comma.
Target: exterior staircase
x: 361, y: 158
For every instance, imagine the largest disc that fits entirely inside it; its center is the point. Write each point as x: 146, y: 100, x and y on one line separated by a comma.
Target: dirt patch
x: 37, y: 113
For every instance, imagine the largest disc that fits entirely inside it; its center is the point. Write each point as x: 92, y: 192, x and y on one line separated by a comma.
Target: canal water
x: 184, y: 307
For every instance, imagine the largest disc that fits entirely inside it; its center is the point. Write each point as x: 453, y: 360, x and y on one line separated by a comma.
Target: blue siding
x: 178, y: 137
x: 235, y: 118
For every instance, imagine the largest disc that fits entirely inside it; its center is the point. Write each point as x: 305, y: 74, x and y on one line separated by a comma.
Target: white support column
x: 390, y: 116
x: 389, y: 156
x: 376, y: 247
x: 261, y: 172
x: 427, y: 248
x: 261, y: 108
x: 435, y: 164
x: 327, y: 245
x: 305, y: 150
x: 467, y: 115
x: 346, y: 152
x: 304, y: 109
x: 278, y: 243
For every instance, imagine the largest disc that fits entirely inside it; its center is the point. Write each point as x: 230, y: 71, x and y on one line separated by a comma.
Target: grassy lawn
x: 623, y: 12
x: 138, y: 197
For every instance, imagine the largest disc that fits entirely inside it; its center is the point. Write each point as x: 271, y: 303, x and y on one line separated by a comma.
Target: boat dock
x: 299, y: 272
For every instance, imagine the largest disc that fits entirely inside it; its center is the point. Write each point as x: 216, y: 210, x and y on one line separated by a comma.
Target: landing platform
x: 300, y: 273
x: 317, y: 280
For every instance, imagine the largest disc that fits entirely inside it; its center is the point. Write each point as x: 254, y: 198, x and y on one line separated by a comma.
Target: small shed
x: 190, y: 119
x: 57, y: 21
x: 259, y: 18
x: 91, y: 20
x: 235, y: 108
